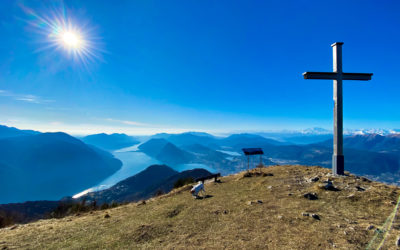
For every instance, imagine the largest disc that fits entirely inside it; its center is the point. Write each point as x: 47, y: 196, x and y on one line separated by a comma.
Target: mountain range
x: 6, y: 132
x: 371, y: 142
x: 49, y: 166
x: 373, y: 155
x: 316, y: 135
x: 110, y: 141
x: 170, y: 154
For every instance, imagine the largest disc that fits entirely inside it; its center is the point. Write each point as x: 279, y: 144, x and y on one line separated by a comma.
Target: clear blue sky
x: 216, y: 66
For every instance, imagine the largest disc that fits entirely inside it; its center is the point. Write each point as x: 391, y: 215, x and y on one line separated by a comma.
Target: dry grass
x: 227, y: 220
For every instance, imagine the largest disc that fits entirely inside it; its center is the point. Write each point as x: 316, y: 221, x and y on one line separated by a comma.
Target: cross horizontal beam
x: 357, y: 76
x: 334, y: 76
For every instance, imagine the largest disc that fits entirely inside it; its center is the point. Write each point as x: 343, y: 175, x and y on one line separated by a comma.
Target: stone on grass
x: 370, y: 227
x: 254, y: 202
x: 313, y: 179
x: 311, y: 196
x: 329, y: 186
x: 248, y: 174
x: 316, y: 216
x: 360, y: 188
x: 143, y: 202
x: 365, y: 179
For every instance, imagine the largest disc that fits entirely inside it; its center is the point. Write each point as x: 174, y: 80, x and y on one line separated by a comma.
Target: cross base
x: 338, y: 164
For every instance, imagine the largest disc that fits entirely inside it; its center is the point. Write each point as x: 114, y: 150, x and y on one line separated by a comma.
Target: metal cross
x: 337, y: 76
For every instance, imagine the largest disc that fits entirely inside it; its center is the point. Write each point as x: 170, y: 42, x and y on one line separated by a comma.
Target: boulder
x: 254, y: 202
x: 360, y: 188
x: 316, y: 216
x: 313, y: 179
x: 370, y: 227
x: 311, y: 196
x: 329, y: 186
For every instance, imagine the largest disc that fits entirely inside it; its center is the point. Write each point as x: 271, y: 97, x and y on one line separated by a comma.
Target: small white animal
x: 197, y: 188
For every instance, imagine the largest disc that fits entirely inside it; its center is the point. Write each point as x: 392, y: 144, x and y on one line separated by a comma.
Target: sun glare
x: 72, y: 36
x: 71, y: 40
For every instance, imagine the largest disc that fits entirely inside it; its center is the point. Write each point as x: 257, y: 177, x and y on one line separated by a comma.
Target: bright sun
x: 75, y: 40
x: 71, y: 40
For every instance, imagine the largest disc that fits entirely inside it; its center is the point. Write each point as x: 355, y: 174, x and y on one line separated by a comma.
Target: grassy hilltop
x: 266, y: 210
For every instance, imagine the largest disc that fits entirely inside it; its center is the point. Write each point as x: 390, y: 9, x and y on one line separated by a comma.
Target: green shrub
x: 183, y: 181
x: 6, y: 219
x: 159, y: 192
x: 114, y: 204
x: 104, y: 206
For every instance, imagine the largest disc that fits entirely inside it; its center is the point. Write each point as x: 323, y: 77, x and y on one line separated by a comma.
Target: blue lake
x: 134, y: 162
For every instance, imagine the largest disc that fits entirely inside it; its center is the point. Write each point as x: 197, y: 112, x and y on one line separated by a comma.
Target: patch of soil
x: 174, y: 212
x: 146, y: 233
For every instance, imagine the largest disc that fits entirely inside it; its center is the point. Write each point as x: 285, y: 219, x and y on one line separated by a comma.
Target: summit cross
x: 337, y: 76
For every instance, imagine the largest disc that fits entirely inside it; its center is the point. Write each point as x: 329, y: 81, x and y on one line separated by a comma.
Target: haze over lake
x: 134, y: 162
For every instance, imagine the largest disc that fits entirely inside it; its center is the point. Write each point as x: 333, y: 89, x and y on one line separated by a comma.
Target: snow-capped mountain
x: 378, y: 131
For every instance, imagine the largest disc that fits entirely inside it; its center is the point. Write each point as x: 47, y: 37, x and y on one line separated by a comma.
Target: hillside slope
x: 49, y: 166
x: 144, y: 184
x: 261, y: 211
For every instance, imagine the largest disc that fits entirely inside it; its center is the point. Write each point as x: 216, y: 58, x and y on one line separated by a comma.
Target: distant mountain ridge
x: 197, y: 150
x: 239, y: 141
x: 166, y: 152
x: 49, y: 166
x: 6, y: 132
x: 365, y: 154
x: 383, y: 160
x: 370, y: 142
x: 374, y: 142
x: 213, y: 142
x: 36, y: 154
x: 110, y: 141
x: 188, y: 138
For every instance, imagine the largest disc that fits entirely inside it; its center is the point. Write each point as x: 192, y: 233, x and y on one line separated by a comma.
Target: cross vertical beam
x: 337, y: 157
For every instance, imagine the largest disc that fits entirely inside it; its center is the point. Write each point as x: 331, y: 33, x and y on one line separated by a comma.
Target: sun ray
x: 66, y: 35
